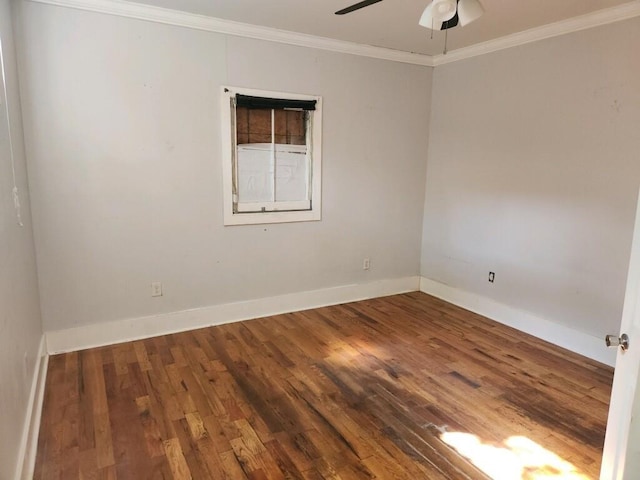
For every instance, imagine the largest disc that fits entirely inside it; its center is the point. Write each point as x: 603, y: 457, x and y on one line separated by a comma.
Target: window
x: 271, y: 156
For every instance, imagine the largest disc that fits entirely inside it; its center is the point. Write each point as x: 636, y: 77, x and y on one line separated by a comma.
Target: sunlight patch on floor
x: 344, y: 353
x: 516, y: 458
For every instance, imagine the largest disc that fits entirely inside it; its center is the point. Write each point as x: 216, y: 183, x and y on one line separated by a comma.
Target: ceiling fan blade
x: 357, y: 6
x: 469, y: 10
x: 450, y: 23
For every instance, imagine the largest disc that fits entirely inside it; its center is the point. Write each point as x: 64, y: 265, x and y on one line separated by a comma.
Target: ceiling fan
x: 439, y: 14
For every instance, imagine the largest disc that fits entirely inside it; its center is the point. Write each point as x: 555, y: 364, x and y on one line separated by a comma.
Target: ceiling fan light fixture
x: 437, y: 12
x: 443, y: 10
x: 468, y: 11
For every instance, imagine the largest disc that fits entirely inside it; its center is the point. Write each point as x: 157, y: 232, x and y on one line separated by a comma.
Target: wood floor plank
x: 177, y: 462
x: 362, y: 390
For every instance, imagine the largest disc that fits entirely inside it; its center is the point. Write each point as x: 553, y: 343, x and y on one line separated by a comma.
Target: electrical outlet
x: 366, y: 264
x: 156, y: 289
x: 492, y: 277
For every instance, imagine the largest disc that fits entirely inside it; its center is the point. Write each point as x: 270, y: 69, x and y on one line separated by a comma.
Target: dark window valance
x: 274, y: 103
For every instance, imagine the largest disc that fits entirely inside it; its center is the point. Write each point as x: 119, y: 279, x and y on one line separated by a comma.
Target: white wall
x: 122, y: 128
x: 533, y: 173
x: 20, y: 326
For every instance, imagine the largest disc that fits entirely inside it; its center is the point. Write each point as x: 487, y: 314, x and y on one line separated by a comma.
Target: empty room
x: 387, y: 239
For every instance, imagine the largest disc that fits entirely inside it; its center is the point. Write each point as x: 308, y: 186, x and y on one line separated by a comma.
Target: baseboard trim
x: 29, y: 440
x: 129, y: 329
x: 573, y: 340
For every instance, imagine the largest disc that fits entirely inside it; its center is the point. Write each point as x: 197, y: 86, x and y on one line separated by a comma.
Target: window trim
x: 229, y: 151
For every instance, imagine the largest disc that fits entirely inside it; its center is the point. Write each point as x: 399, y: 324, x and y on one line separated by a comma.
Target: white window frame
x: 228, y: 141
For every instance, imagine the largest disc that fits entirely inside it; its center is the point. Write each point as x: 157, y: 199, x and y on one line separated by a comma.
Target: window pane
x: 242, y: 125
x: 253, y: 126
x: 255, y: 173
x: 296, y: 126
x: 289, y: 127
x: 292, y: 173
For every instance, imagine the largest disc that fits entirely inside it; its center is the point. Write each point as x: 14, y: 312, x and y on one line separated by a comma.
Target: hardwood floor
x: 355, y: 391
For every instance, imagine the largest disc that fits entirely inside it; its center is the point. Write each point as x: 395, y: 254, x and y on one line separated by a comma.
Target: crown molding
x: 583, y: 22
x: 166, y: 16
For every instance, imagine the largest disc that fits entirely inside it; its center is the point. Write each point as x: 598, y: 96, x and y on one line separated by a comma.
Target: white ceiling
x: 391, y: 23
